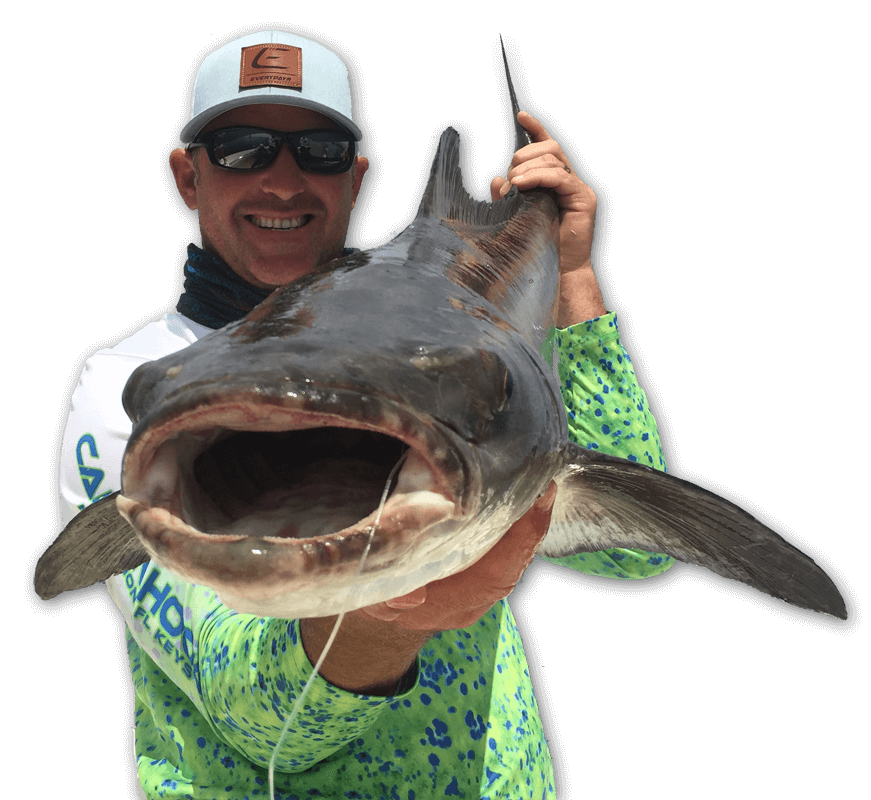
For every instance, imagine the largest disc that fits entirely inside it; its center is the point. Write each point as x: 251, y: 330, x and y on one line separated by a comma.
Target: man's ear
x: 361, y: 164
x: 181, y: 162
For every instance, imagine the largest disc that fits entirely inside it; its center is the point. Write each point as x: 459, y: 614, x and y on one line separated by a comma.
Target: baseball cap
x: 271, y: 67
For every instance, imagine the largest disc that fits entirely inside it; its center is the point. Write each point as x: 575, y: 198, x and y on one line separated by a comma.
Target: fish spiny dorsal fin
x: 445, y: 196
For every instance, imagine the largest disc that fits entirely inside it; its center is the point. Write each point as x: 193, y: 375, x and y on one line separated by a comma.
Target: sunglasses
x: 244, y: 148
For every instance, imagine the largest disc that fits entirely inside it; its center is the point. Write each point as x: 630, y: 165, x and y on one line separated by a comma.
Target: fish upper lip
x: 296, y: 409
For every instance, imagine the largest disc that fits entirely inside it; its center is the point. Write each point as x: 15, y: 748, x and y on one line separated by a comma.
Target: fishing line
x: 316, y: 671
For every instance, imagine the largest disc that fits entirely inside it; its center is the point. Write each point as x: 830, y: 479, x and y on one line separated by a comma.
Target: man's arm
x: 369, y: 655
x: 580, y: 298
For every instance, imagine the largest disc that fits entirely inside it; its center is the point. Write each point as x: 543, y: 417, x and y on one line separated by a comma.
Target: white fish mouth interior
x: 297, y: 484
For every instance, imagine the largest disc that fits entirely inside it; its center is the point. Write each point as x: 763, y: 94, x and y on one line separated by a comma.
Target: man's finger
x: 533, y: 127
x: 496, y: 187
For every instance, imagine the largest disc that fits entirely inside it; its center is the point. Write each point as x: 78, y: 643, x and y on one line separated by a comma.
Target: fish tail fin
x: 521, y: 135
x: 605, y: 501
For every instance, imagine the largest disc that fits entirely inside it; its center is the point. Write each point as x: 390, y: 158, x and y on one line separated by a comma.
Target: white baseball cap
x: 271, y: 67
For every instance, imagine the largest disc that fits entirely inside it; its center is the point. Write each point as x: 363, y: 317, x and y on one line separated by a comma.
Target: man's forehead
x: 278, y: 116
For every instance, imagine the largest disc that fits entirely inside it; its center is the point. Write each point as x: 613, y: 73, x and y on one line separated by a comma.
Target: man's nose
x: 283, y: 177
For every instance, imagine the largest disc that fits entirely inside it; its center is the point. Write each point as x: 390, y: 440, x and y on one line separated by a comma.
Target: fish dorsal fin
x: 498, y: 242
x: 446, y: 198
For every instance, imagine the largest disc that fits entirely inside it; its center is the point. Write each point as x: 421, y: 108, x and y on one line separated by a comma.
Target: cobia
x: 259, y: 453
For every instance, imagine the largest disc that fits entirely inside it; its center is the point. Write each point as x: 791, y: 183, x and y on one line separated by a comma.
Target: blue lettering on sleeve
x: 91, y: 477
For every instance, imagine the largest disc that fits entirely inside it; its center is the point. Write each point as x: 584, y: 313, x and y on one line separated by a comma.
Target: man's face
x: 238, y: 210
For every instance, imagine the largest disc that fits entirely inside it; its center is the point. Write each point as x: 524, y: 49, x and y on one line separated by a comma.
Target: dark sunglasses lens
x: 326, y: 152
x: 243, y: 148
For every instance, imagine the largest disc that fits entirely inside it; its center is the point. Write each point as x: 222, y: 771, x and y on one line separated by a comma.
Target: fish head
x: 260, y: 454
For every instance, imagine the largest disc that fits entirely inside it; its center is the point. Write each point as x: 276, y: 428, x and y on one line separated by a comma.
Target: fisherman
x: 425, y: 695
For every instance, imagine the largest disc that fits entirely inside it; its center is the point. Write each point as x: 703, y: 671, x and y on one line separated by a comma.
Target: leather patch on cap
x: 271, y: 65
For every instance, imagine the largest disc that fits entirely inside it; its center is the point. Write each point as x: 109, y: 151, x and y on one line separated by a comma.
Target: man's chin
x: 268, y: 263
x: 279, y: 276
x: 276, y: 270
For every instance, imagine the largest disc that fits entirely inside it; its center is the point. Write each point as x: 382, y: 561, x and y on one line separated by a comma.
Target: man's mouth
x: 279, y: 223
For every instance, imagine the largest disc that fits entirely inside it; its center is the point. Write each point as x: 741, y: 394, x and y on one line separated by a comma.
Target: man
x: 423, y: 695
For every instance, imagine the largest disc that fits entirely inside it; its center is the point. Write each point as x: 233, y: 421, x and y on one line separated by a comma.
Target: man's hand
x: 543, y: 165
x: 377, y: 645
x: 462, y: 599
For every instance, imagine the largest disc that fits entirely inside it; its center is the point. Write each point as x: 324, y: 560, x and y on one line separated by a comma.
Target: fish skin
x: 433, y: 341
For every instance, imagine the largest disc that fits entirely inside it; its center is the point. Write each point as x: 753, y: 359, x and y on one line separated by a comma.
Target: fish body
x: 259, y: 454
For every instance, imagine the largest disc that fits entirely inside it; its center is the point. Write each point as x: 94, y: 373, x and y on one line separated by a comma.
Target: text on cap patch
x: 271, y: 65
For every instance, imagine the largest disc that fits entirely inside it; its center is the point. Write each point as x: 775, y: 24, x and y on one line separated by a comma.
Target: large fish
x: 259, y: 454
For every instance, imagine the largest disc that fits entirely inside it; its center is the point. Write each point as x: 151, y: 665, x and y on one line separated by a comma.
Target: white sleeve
x: 96, y: 433
x: 97, y: 427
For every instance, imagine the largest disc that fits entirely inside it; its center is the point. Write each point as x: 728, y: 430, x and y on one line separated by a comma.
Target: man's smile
x: 276, y: 223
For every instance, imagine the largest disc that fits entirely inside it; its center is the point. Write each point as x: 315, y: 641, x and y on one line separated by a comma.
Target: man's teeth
x: 266, y: 222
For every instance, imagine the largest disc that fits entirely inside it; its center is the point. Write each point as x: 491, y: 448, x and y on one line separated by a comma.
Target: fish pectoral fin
x: 605, y: 501
x: 97, y: 544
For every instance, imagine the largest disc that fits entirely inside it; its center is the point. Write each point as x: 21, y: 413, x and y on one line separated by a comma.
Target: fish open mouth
x: 252, y: 499
x: 299, y: 484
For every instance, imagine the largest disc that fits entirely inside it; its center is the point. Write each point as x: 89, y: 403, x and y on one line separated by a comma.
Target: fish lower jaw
x: 372, y: 560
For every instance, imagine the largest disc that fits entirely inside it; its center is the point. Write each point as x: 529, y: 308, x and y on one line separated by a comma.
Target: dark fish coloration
x: 259, y: 453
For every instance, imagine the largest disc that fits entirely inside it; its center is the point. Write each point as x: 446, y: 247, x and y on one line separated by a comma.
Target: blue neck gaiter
x: 213, y: 294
